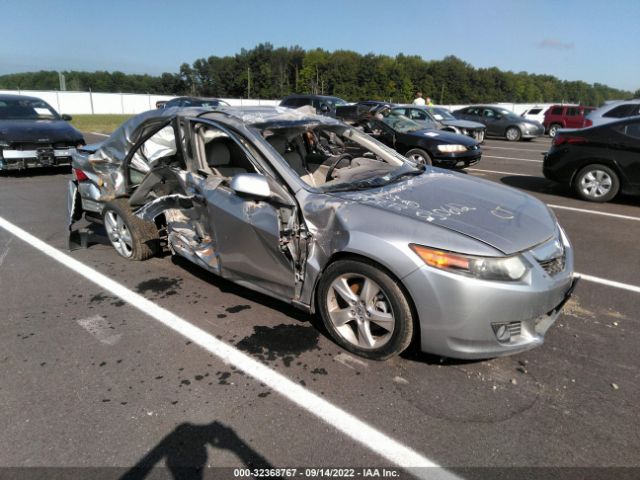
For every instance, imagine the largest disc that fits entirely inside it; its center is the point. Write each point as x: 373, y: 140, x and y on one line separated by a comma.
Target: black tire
x: 144, y: 236
x: 391, y: 299
x: 513, y: 134
x: 420, y: 156
x: 607, y: 177
x: 553, y: 129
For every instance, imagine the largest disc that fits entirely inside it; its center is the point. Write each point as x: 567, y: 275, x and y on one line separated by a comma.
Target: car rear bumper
x: 23, y: 159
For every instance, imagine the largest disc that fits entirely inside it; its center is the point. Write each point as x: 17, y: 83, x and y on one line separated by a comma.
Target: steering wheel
x: 334, y: 165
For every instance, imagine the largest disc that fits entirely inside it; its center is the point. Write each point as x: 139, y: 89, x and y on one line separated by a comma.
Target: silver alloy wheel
x: 360, y: 311
x: 118, y: 233
x: 513, y: 134
x: 596, y: 183
x: 553, y: 130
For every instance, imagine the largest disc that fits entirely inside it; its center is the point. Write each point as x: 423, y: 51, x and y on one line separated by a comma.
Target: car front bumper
x: 533, y: 132
x: 460, y: 317
x: 45, y: 157
x: 457, y: 160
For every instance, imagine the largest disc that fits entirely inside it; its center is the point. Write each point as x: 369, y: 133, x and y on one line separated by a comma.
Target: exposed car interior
x: 327, y: 156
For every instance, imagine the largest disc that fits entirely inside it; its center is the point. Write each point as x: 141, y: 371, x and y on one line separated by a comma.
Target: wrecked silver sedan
x: 320, y: 215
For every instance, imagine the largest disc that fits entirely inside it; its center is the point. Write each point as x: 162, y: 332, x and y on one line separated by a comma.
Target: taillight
x: 79, y: 175
x: 587, y: 123
x: 561, y: 139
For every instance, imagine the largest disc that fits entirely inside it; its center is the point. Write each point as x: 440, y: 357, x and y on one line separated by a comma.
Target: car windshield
x: 441, y: 114
x: 335, y: 101
x: 26, y: 109
x: 338, y: 157
x: 400, y: 123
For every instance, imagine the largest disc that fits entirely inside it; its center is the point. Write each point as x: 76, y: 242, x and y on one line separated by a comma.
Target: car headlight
x: 486, y: 268
x: 452, y: 148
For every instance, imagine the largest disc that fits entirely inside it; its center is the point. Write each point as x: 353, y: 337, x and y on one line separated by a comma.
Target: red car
x: 564, y: 116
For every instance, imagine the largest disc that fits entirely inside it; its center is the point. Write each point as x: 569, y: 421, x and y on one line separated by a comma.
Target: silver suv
x: 612, y: 111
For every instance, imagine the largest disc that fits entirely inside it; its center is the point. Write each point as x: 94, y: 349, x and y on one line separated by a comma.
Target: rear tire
x: 132, y: 237
x: 419, y: 156
x: 364, y: 309
x: 596, y: 183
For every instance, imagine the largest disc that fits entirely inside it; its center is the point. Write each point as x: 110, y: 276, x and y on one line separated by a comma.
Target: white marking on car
x: 358, y: 430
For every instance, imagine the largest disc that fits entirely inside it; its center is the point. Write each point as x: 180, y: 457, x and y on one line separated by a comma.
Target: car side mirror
x: 498, y: 117
x: 324, y: 108
x: 66, y: 118
x: 251, y: 185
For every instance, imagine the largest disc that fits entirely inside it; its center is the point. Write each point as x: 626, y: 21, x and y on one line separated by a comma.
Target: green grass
x: 98, y: 123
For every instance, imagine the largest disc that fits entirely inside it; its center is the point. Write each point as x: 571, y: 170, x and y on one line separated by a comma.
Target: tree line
x: 268, y: 72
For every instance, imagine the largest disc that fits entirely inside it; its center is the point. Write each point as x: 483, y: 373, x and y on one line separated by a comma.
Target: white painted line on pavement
x: 368, y: 436
x: 100, y: 134
x: 502, y: 173
x: 609, y: 283
x: 512, y: 158
x: 517, y: 149
x: 594, y: 212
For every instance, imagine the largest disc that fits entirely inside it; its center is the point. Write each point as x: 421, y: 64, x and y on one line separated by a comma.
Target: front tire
x: 132, y: 237
x: 596, y: 183
x: 364, y: 309
x: 419, y: 156
x: 513, y: 134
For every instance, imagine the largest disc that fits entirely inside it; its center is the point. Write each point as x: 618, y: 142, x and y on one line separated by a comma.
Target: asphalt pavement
x: 89, y: 380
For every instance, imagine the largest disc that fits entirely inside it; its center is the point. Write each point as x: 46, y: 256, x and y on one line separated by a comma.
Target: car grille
x: 553, y: 266
x: 478, y: 135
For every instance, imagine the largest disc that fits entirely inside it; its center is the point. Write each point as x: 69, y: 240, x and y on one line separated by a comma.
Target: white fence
x: 131, y: 103
x: 105, y: 103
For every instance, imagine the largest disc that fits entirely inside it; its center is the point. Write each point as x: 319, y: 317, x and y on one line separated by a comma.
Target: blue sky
x: 589, y: 40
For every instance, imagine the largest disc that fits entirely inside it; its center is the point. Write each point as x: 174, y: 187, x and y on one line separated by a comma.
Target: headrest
x: 217, y: 154
x: 279, y: 143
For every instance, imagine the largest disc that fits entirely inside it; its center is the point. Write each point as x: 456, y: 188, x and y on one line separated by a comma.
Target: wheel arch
x: 607, y: 162
x: 350, y: 255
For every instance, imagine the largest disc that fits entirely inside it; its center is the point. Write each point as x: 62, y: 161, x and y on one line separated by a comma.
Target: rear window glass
x: 620, y: 111
x: 534, y: 111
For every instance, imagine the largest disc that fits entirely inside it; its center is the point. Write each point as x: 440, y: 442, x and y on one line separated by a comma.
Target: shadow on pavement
x: 184, y: 452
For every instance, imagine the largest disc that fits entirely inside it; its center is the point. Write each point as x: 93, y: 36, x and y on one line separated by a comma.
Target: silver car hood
x: 502, y: 217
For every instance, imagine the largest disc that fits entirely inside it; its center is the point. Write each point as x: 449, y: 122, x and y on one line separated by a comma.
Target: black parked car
x: 442, y: 119
x: 32, y: 134
x: 597, y: 162
x: 324, y: 105
x: 354, y: 111
x: 194, y: 102
x: 426, y: 146
x: 501, y: 122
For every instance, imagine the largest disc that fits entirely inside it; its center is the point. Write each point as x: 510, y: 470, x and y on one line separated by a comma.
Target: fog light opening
x: 502, y: 332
